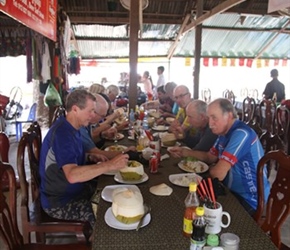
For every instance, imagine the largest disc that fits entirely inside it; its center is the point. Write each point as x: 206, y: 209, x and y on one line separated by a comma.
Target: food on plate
x: 161, y: 190
x: 184, y: 180
x: 127, y: 205
x: 194, y: 166
x: 169, y: 120
x: 154, y: 113
x: 133, y: 172
x: 116, y: 148
x: 151, y: 121
x: 168, y: 139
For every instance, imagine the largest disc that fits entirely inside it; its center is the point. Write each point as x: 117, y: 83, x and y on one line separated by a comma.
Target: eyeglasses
x: 180, y: 96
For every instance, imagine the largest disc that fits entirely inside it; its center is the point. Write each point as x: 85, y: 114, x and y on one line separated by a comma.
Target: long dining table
x: 164, y: 230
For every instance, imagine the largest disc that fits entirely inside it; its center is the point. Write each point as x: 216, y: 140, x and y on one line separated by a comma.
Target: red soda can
x: 153, y: 164
x: 158, y: 155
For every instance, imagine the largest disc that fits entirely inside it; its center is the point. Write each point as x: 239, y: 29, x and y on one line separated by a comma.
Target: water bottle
x: 145, y: 123
x: 198, y: 240
x: 132, y: 117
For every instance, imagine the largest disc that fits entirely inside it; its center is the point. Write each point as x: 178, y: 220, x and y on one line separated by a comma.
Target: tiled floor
x: 12, y: 157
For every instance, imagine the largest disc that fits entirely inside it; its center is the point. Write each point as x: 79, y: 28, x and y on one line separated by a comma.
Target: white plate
x: 119, y: 137
x: 193, y: 167
x: 160, y: 128
x: 115, y: 148
x: 114, y: 223
x: 113, y: 172
x: 119, y: 179
x: 108, y: 191
x: 183, y: 180
x: 177, y: 144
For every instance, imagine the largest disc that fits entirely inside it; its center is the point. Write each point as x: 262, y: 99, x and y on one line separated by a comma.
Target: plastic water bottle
x: 132, y: 117
x: 145, y: 123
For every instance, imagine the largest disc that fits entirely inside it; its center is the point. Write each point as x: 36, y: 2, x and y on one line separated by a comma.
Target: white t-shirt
x: 161, y: 81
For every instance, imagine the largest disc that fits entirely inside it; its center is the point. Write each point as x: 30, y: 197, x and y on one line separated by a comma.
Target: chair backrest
x: 248, y: 109
x: 283, y: 125
x: 256, y: 127
x: 9, y: 232
x: 228, y: 94
x: 35, y: 128
x: 206, y: 95
x: 28, y: 154
x: 271, y: 142
x: 244, y: 92
x: 32, y: 113
x: 4, y: 147
x: 59, y: 111
x: 267, y: 109
x: 278, y: 204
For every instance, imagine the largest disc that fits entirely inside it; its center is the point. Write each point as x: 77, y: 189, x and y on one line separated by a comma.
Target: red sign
x: 38, y: 15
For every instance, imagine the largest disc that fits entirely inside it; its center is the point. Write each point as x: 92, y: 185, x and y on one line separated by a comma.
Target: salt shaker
x: 230, y: 241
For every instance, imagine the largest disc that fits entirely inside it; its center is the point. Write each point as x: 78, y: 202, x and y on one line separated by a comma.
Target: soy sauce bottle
x: 198, y: 239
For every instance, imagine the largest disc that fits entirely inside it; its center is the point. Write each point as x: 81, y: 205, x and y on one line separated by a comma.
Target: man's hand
x: 97, y: 157
x: 110, y: 133
x: 118, y: 162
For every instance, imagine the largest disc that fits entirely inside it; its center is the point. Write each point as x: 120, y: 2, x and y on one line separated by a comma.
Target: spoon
x: 147, y: 210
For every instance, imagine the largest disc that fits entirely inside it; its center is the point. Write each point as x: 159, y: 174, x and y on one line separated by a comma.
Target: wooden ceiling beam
x: 216, y: 10
x: 177, y: 39
x: 269, y: 42
x: 123, y: 20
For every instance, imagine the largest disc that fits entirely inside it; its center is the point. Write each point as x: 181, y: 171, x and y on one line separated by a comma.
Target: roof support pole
x: 198, y: 39
x: 133, y: 52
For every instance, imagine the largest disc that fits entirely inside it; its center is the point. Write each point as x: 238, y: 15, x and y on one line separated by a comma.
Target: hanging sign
x: 36, y: 14
x: 274, y: 5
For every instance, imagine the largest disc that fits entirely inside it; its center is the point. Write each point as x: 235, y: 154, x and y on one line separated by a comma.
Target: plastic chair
x: 34, y: 219
x: 278, y: 204
x: 10, y: 236
x: 31, y: 118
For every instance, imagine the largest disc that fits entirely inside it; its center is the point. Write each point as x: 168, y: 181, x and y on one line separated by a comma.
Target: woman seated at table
x: 235, y: 153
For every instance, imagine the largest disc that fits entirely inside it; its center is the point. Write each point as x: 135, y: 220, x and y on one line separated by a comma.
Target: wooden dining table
x: 164, y: 230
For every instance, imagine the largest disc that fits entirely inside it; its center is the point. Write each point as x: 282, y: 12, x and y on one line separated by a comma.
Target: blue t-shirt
x: 88, y: 143
x: 243, y: 150
x: 62, y: 145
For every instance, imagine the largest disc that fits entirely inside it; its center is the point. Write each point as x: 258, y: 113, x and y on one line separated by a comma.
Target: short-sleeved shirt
x: 243, y: 150
x: 88, y: 143
x: 275, y: 86
x: 62, y: 145
x: 182, y: 118
x: 160, y: 81
x: 204, y: 140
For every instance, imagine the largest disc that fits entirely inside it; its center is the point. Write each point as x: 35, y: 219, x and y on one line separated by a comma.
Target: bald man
x: 89, y: 133
x: 204, y: 137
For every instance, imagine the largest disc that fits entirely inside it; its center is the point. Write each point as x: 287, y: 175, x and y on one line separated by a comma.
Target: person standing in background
x: 148, y: 85
x: 275, y: 86
x: 161, y: 79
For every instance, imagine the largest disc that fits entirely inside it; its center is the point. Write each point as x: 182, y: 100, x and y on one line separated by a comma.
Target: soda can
x: 158, y: 155
x: 153, y: 164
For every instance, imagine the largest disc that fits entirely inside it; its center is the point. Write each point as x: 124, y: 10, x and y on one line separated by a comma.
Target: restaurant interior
x: 199, y: 37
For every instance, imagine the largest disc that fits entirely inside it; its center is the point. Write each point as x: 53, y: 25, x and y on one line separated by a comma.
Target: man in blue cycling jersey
x: 236, y: 154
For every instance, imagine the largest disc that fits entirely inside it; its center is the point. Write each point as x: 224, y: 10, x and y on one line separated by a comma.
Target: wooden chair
x: 244, y: 93
x: 271, y: 142
x: 34, y: 219
x: 4, y: 156
x: 267, y: 109
x: 278, y: 204
x: 206, y: 95
x: 228, y: 94
x: 283, y: 125
x: 248, y: 109
x: 59, y: 111
x: 255, y: 126
x: 10, y: 236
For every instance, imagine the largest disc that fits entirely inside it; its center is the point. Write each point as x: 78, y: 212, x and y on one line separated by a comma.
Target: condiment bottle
x: 191, y: 203
x: 197, y: 240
